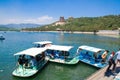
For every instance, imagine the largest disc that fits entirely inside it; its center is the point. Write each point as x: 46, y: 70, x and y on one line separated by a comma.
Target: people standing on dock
x: 118, y: 56
x: 111, y: 62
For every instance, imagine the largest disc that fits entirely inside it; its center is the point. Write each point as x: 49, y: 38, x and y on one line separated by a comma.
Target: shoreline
x: 107, y: 33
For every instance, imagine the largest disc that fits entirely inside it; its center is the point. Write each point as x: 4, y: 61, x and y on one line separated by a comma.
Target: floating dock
x: 103, y: 75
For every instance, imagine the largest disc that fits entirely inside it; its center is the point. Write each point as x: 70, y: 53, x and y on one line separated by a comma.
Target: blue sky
x: 48, y: 11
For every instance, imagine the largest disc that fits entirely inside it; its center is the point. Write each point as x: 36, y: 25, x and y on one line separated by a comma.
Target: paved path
x: 103, y: 75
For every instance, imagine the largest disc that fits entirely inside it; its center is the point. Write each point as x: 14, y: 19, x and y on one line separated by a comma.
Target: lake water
x: 17, y: 41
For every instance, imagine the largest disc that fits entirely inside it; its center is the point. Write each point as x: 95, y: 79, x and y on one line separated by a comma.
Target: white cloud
x: 45, y: 18
x: 40, y: 20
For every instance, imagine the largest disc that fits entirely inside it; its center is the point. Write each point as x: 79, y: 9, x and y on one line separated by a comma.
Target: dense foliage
x: 109, y: 22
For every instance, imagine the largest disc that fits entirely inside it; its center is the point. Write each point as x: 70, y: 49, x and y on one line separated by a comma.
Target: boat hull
x: 24, y: 72
x: 2, y: 38
x: 92, y: 62
x: 71, y: 62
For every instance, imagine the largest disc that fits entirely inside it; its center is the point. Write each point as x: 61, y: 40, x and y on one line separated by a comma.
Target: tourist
x: 111, y: 62
x: 87, y: 56
x: 20, y: 60
x: 79, y: 52
x: 104, y: 56
x: 43, y: 56
x: 33, y: 62
x: 24, y: 61
x: 118, y: 56
x: 95, y: 56
x: 52, y: 54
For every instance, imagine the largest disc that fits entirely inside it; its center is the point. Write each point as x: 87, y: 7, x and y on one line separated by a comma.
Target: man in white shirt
x: 118, y: 56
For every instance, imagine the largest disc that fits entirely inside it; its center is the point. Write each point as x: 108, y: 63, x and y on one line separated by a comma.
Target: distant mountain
x: 22, y: 25
x: 4, y: 28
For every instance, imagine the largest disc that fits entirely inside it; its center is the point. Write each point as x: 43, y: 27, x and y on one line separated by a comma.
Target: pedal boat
x: 86, y: 55
x: 27, y: 71
x: 61, y: 54
x: 42, y: 44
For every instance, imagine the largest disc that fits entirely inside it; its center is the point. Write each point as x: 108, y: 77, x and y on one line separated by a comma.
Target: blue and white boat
x: 61, y: 54
x: 1, y: 37
x: 87, y: 55
x: 29, y: 67
x: 41, y: 44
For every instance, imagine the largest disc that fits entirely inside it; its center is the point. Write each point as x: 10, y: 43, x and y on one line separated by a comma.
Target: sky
x: 49, y: 11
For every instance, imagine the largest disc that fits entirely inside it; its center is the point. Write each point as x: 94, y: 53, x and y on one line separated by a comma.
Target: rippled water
x: 17, y: 41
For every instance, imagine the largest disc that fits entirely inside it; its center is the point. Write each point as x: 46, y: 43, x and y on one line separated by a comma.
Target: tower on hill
x: 60, y: 22
x: 62, y: 19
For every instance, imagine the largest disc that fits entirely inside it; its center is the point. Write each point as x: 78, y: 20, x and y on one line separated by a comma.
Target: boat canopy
x: 60, y: 48
x: 89, y: 48
x: 31, y: 51
x: 43, y: 42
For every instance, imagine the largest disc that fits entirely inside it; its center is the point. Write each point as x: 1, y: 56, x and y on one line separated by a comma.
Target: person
x: 111, y: 61
x: 104, y: 56
x: 87, y: 56
x: 118, y: 56
x: 24, y: 61
x: 20, y: 60
x: 33, y: 62
x: 52, y: 55
x: 95, y: 56
x: 43, y: 56
x: 79, y: 52
x: 38, y: 45
x: 66, y: 54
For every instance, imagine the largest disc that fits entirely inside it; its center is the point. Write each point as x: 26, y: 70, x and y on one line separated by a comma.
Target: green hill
x: 109, y: 22
x: 3, y: 28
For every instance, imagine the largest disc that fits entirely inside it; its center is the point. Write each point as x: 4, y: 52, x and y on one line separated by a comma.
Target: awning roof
x: 89, y: 48
x: 43, y: 42
x: 31, y: 51
x: 60, y: 48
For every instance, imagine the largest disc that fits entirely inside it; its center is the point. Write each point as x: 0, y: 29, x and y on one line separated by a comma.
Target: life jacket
x: 104, y: 55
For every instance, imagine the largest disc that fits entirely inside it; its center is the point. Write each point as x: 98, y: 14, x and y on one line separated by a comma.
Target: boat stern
x: 22, y: 72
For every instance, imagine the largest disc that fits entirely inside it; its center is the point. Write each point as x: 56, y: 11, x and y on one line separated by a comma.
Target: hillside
x: 9, y: 27
x: 3, y: 28
x: 22, y: 25
x: 109, y: 22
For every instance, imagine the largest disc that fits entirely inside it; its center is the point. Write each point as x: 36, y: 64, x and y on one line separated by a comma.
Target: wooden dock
x: 103, y: 75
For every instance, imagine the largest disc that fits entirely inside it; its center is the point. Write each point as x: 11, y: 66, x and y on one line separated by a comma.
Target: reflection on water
x: 17, y: 41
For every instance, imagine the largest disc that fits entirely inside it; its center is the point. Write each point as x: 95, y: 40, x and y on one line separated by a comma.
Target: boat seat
x: 56, y: 57
x: 62, y: 57
x: 92, y: 60
x: 99, y: 59
x: 82, y: 54
x: 87, y: 56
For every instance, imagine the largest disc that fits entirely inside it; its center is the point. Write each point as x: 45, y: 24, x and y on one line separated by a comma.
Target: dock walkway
x: 103, y: 75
